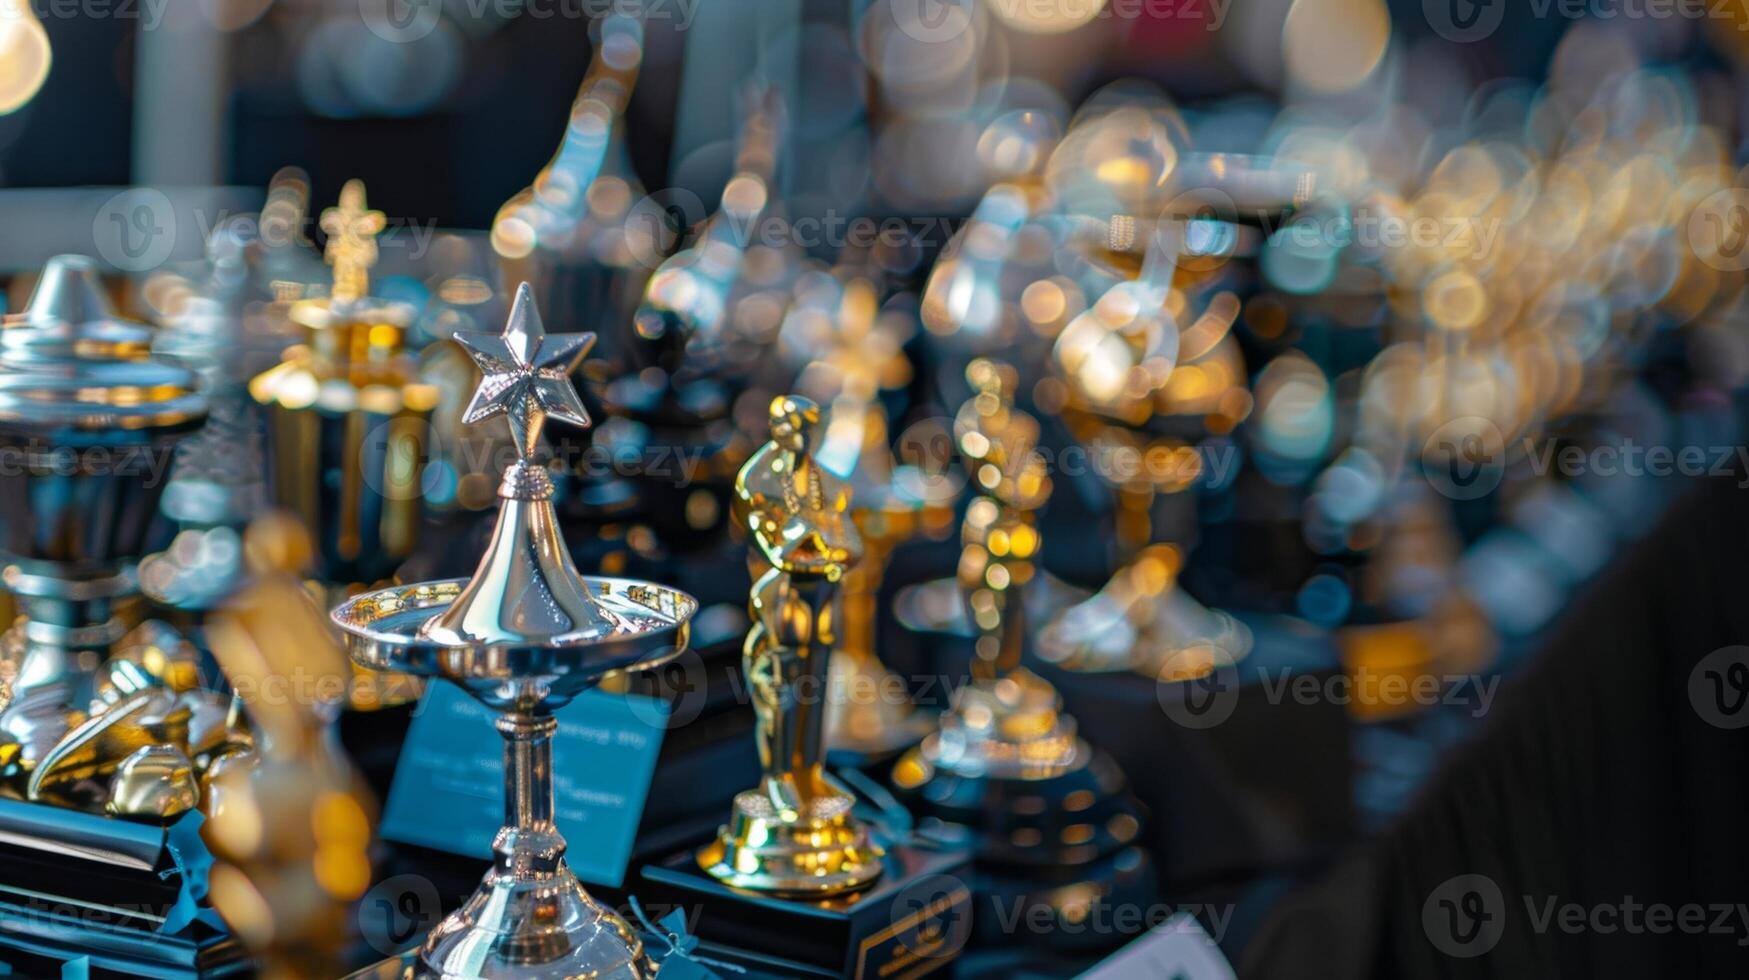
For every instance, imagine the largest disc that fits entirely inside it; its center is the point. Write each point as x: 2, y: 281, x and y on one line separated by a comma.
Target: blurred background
x: 1395, y: 346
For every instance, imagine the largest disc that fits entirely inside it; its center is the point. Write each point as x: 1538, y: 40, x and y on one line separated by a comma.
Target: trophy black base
x: 912, y: 922
x: 1057, y: 861
x: 43, y: 934
x: 1096, y: 906
x: 75, y: 885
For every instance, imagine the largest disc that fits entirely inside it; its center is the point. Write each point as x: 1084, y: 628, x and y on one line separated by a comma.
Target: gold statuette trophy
x: 795, y: 883
x: 1054, y: 823
x: 524, y: 636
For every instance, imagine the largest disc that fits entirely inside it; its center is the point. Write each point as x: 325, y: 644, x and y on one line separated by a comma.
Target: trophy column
x: 1054, y: 824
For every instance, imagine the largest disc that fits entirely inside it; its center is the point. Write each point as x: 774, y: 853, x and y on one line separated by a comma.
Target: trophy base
x: 1057, y: 862
x: 76, y: 885
x: 911, y: 922
x: 532, y: 926
x: 819, y: 853
x: 1093, y: 906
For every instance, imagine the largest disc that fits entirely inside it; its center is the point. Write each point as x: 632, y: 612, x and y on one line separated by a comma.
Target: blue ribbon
x: 680, y: 958
x: 193, y: 864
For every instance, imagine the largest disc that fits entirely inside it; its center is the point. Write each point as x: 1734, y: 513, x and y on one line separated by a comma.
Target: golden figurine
x: 352, y: 230
x: 794, y: 835
x: 1006, y: 718
x: 289, y: 821
x: 1006, y: 761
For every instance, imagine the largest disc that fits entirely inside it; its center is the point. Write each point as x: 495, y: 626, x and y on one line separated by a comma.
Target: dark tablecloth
x: 1607, y: 782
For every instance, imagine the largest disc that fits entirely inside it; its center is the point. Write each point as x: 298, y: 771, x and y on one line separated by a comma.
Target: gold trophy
x: 1054, y: 824
x: 793, y: 835
x: 347, y: 409
x: 795, y: 883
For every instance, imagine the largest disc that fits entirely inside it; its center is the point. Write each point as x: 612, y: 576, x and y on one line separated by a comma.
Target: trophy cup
x: 88, y: 421
x: 795, y: 876
x: 1053, y: 820
x: 525, y: 635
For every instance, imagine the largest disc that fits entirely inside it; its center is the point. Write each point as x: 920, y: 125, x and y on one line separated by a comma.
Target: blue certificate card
x: 448, y: 792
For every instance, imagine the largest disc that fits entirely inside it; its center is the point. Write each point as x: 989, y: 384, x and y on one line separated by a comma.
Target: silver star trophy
x: 525, y: 635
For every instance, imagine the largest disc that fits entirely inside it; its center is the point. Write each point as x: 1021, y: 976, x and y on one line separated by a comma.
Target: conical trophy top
x: 526, y: 588
x: 68, y: 360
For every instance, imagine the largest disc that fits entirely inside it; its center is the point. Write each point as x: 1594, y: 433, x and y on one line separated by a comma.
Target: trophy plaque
x: 796, y: 878
x: 1054, y: 822
x: 525, y: 635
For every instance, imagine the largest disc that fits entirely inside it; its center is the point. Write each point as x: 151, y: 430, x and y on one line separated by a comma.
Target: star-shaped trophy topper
x: 526, y: 374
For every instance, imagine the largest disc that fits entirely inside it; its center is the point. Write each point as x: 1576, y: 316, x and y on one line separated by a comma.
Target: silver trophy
x: 88, y: 421
x: 525, y: 635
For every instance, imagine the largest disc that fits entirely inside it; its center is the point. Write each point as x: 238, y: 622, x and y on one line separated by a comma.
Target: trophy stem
x: 529, y: 843
x: 530, y: 916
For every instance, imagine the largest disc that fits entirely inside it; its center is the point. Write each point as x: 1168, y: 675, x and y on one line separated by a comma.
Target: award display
x: 1052, y: 817
x: 525, y: 635
x: 794, y: 858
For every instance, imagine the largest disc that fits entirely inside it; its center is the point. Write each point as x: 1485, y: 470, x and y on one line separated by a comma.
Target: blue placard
x: 448, y: 792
